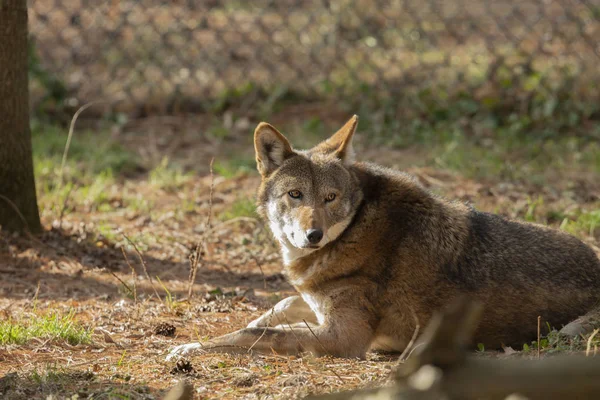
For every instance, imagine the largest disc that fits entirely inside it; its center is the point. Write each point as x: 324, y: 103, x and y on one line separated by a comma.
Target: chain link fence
x: 186, y: 55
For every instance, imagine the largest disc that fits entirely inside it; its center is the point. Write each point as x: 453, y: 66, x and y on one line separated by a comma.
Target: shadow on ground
x: 83, y: 384
x: 66, y: 268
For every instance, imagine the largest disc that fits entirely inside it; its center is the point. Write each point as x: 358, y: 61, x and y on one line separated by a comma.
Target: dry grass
x: 76, y: 262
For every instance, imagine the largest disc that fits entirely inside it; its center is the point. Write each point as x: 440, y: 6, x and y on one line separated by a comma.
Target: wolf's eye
x: 330, y: 197
x: 295, y: 194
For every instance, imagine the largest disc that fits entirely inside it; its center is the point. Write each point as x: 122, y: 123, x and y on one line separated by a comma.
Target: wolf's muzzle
x: 314, y: 236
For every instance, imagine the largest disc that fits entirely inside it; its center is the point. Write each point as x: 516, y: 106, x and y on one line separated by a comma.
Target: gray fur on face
x: 315, y: 176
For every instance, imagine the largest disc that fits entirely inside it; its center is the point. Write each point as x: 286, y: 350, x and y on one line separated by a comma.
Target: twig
x: 143, y: 265
x: 11, y: 253
x: 26, y: 225
x: 69, y: 137
x: 231, y: 221
x: 35, y: 296
x: 202, y: 241
x: 220, y: 264
x: 66, y: 152
x: 258, y: 264
x: 538, y: 336
x: 120, y: 280
x: 64, y: 206
x: 264, y: 331
x: 298, y: 341
x: 93, y: 360
x: 325, y: 350
x: 133, y: 275
x: 316, y: 337
x: 412, y: 339
x: 420, y: 345
x: 292, y: 329
x: 589, y: 343
x: 9, y: 270
x: 14, y: 206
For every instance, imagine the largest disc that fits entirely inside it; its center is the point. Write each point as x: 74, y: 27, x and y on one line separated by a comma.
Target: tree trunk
x: 18, y: 202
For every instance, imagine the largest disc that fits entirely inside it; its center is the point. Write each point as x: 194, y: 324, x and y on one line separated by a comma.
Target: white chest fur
x: 316, y: 304
x: 291, y: 253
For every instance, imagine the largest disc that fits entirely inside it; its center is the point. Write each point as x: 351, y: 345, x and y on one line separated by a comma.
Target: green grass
x: 574, y: 220
x: 532, y: 205
x: 553, y: 342
x: 466, y: 138
x: 235, y: 166
x: 137, y: 203
x: 168, y: 177
x: 170, y: 300
x: 89, y: 152
x: 109, y: 232
x: 586, y: 223
x: 52, y: 326
x: 512, y: 156
x: 90, y: 191
x: 93, y: 162
x: 54, y: 375
x: 243, y: 207
x: 480, y: 146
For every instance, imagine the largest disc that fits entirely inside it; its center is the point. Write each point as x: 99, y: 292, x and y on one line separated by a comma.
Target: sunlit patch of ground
x: 154, y: 191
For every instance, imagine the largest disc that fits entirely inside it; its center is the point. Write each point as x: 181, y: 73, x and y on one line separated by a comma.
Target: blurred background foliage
x: 403, y: 65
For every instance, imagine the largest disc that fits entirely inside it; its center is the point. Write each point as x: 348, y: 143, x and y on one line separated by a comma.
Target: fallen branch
x: 441, y: 369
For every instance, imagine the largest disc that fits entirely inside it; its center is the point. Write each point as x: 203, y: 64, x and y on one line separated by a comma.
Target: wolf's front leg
x: 346, y: 332
x: 288, y: 311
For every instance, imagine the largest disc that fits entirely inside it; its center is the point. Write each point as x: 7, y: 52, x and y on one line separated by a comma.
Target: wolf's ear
x: 272, y: 148
x: 341, y: 141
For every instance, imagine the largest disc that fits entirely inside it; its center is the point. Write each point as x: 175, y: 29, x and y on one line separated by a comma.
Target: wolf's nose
x: 314, y: 236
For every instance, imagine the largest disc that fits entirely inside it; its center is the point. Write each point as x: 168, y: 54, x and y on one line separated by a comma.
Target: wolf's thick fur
x: 391, y: 251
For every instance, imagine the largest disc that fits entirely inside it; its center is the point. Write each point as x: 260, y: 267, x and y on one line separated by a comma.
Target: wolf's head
x: 308, y: 197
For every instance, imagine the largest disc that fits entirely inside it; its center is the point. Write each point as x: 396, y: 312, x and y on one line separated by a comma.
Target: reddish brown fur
x: 406, y: 252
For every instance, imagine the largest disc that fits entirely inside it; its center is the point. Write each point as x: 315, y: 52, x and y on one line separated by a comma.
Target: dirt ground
x: 137, y: 310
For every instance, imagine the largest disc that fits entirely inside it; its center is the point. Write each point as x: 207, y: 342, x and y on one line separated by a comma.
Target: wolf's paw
x: 259, y: 322
x: 182, y: 350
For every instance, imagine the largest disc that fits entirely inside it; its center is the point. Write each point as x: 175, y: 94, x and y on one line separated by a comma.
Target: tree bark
x: 18, y: 202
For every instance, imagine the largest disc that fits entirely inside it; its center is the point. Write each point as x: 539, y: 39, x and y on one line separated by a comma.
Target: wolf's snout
x: 314, y: 236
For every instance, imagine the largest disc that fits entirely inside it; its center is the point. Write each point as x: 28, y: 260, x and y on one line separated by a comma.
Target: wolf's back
x: 502, y: 250
x: 521, y: 270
